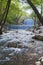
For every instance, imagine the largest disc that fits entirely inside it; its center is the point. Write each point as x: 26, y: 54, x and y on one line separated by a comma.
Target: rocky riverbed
x: 18, y: 48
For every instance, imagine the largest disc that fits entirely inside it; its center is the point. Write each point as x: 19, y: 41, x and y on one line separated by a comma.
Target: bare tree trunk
x: 36, y: 11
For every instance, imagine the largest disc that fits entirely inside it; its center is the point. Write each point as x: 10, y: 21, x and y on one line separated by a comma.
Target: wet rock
x: 38, y: 37
x: 16, y: 31
x: 40, y: 32
x: 12, y: 45
x: 32, y: 41
x: 38, y: 28
x: 22, y: 46
x: 18, y: 42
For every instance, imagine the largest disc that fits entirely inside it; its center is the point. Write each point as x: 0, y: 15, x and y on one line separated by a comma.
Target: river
x: 17, y: 45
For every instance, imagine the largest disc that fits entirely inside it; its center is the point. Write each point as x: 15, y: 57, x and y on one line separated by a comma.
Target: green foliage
x: 15, y: 12
x: 2, y: 7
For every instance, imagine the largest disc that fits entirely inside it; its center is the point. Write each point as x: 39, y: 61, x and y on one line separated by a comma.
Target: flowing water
x: 18, y: 42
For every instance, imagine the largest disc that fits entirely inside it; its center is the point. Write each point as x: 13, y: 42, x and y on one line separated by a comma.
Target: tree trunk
x: 0, y: 30
x: 3, y: 20
x: 36, y: 11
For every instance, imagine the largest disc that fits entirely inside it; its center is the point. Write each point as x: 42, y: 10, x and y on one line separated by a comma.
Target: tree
x: 36, y: 11
x: 32, y: 4
x: 4, y: 16
x: 16, y: 12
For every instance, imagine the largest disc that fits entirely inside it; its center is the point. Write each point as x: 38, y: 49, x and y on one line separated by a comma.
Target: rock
x: 22, y: 46
x: 38, y: 63
x: 12, y: 45
x: 16, y: 31
x: 41, y: 60
x: 32, y: 41
x: 18, y: 42
x: 40, y: 32
x: 38, y: 37
x: 38, y: 28
x: 33, y: 31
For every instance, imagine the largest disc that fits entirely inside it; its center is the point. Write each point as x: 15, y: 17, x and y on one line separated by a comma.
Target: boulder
x: 38, y: 37
x: 40, y: 61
